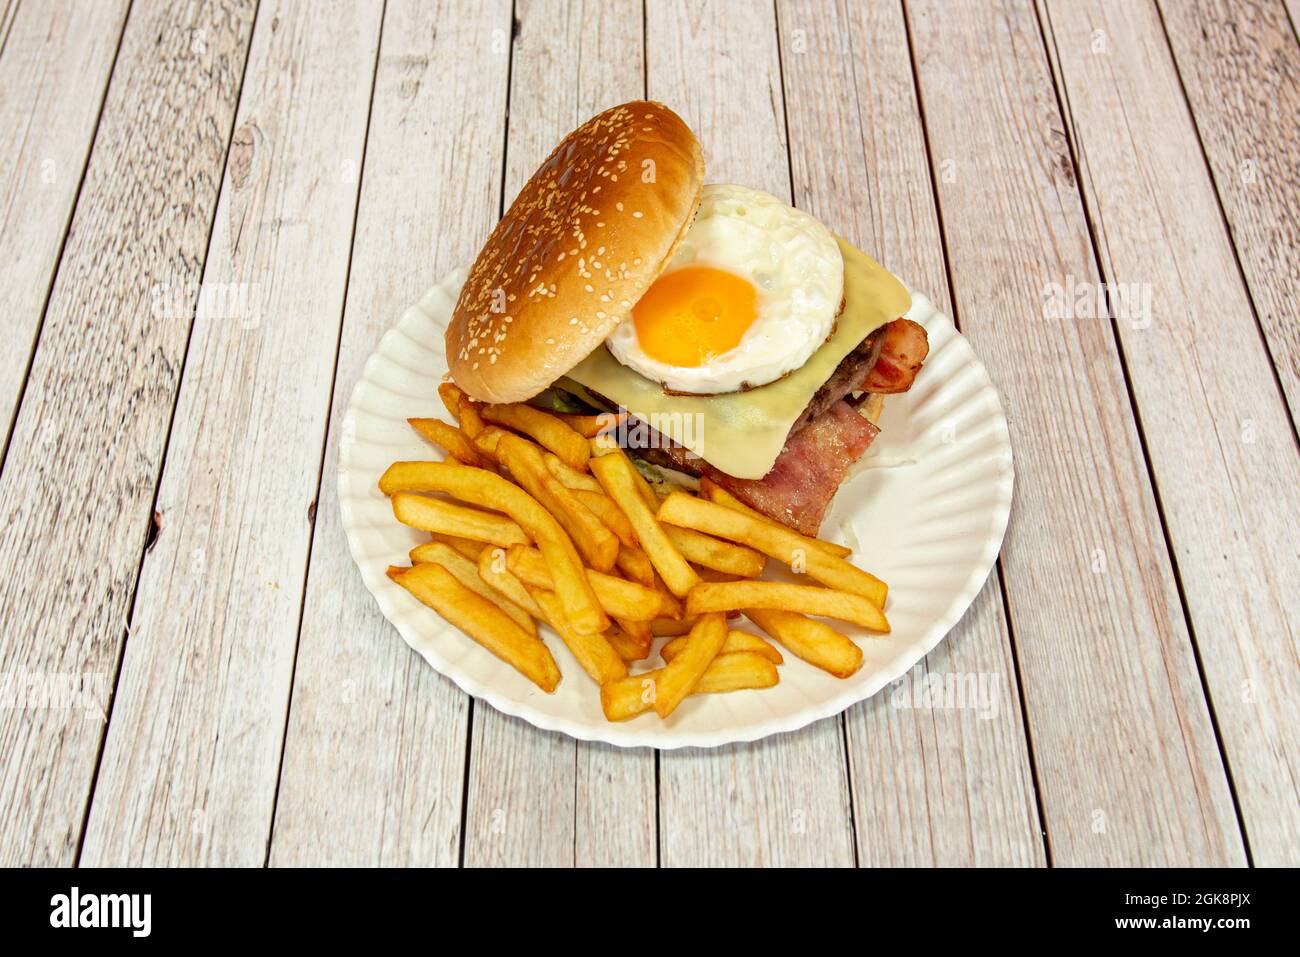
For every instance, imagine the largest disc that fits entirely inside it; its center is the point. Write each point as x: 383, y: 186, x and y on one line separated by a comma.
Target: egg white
x: 795, y: 266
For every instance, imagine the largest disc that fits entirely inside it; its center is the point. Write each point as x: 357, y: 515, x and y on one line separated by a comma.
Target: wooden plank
x: 1240, y: 67
x: 930, y: 786
x: 783, y: 800
x: 192, y: 754
x: 536, y: 797
x: 1127, y: 764
x: 53, y: 75
x: 83, y: 461
x: 1220, y: 440
x: 374, y: 762
x: 8, y: 13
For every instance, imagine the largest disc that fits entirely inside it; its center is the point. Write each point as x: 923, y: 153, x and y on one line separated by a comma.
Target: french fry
x: 635, y: 564
x: 680, y: 676
x: 481, y: 487
x: 451, y: 394
x: 695, y: 547
x: 717, y: 494
x: 638, y: 631
x: 617, y: 476
x: 482, y: 620
x: 589, y: 426
x: 466, y: 573
x: 628, y: 697
x: 670, y: 626
x: 462, y: 408
x: 438, y: 515
x: 486, y: 441
x: 814, y: 641
x: 669, y: 605
x: 618, y: 597
x: 569, y: 476
x: 549, y: 431
x: 605, y: 509
x: 710, y: 575
x: 448, y: 437
x: 628, y: 648
x: 594, y: 652
x: 736, y: 641
x: 493, y: 570
x: 782, y: 596
x: 782, y: 544
x: 596, y: 543
x: 726, y: 557
x: 631, y: 560
x: 466, y: 546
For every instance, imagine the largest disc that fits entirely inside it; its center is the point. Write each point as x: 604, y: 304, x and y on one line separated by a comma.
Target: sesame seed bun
x: 582, y: 242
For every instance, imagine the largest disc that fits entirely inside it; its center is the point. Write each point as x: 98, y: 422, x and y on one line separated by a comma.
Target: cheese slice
x: 742, y: 433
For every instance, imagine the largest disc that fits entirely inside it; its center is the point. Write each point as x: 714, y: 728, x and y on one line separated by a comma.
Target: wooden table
x: 213, y: 210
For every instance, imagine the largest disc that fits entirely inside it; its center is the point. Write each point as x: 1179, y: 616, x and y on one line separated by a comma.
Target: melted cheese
x: 742, y: 433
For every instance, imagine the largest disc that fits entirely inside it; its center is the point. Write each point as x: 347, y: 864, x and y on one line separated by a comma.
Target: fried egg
x: 750, y: 294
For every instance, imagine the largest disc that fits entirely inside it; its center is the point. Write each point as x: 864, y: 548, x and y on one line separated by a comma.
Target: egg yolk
x: 691, y: 315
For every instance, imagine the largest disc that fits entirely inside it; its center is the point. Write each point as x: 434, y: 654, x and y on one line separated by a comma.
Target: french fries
x: 552, y: 522
x: 782, y: 544
x: 481, y: 487
x: 590, y: 426
x: 486, y: 441
x: 596, y: 655
x: 814, y: 641
x: 628, y: 648
x: 604, y: 508
x: 617, y: 596
x: 735, y: 672
x: 448, y: 437
x: 466, y: 573
x: 596, y: 543
x: 670, y: 626
x: 736, y: 641
x: 462, y: 408
x: 571, y: 477
x: 719, y: 495
x: 806, y: 599
x: 549, y: 431
x: 631, y: 560
x: 482, y: 620
x: 638, y: 631
x: 695, y: 547
x: 493, y: 570
x: 725, y: 557
x: 437, y: 515
x: 678, y: 678
x: 635, y: 564
x: 466, y: 546
x: 616, y: 475
x: 628, y: 697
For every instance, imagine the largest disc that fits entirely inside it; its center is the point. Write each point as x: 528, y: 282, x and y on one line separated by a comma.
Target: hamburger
x: 738, y: 338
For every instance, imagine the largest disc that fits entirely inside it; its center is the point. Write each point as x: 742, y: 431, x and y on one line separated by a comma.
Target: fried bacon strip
x: 902, y: 350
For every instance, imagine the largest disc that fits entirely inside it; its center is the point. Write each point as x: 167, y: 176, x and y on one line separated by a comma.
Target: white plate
x: 925, y: 510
